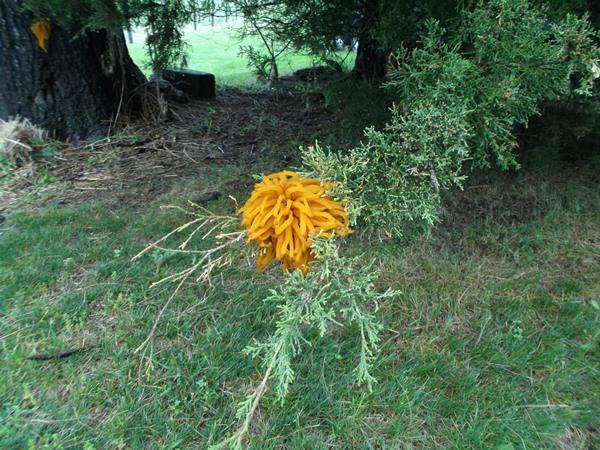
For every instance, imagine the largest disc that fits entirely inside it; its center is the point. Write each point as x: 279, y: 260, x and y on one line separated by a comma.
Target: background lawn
x: 216, y: 49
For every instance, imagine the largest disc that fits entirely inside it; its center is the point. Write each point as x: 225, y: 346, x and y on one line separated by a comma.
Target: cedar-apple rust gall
x: 282, y: 214
x: 41, y: 31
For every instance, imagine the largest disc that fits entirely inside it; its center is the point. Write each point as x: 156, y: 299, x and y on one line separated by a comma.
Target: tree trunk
x: 371, y: 60
x: 75, y: 88
x: 371, y: 57
x: 594, y: 11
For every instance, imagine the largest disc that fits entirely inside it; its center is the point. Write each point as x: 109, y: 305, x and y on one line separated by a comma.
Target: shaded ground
x: 143, y: 160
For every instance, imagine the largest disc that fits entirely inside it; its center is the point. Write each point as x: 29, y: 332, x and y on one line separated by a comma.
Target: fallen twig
x: 58, y: 355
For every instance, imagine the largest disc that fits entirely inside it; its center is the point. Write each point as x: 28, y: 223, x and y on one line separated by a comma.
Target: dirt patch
x: 142, y: 160
x: 519, y: 197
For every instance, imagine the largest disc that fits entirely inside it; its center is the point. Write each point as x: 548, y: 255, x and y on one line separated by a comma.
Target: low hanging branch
x: 295, y: 221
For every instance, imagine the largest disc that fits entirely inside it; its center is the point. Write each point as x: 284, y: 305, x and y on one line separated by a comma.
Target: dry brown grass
x: 574, y: 439
x: 143, y: 160
x: 17, y: 140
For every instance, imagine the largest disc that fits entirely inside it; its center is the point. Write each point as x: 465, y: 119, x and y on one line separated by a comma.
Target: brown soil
x: 142, y: 160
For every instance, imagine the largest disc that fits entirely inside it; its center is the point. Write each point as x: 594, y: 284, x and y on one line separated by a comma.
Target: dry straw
x: 17, y: 139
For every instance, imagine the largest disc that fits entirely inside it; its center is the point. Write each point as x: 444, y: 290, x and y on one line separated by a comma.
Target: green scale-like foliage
x: 459, y: 97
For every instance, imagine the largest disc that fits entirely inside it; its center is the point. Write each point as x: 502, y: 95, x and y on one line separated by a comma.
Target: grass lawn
x: 492, y: 344
x: 216, y: 50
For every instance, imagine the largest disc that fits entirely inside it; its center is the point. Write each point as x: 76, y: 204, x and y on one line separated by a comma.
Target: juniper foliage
x: 459, y: 96
x: 337, y: 289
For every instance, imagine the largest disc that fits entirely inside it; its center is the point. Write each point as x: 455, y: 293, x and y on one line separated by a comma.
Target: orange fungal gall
x: 41, y: 30
x: 283, y: 212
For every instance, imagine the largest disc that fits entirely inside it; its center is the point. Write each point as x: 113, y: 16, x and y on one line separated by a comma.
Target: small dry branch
x: 57, y: 355
x: 204, y: 224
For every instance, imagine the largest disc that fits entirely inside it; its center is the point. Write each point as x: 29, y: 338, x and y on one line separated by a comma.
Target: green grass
x: 216, y: 50
x: 493, y: 343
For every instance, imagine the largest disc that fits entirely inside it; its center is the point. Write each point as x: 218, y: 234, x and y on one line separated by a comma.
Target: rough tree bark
x: 371, y: 57
x: 75, y: 88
